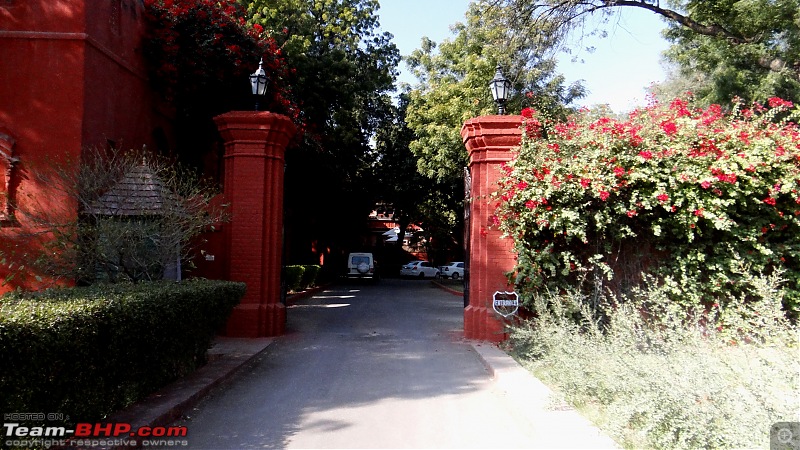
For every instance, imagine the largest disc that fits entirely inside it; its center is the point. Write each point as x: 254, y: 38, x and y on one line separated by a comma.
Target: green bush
x: 698, y: 198
x: 310, y: 273
x: 87, y: 352
x: 657, y: 381
x: 294, y: 277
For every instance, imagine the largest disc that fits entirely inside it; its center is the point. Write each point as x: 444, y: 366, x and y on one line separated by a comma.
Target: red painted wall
x: 72, y: 75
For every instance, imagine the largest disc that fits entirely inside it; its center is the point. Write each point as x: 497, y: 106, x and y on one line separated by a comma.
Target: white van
x: 361, y: 265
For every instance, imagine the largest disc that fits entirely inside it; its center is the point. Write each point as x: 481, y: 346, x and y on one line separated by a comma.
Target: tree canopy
x: 453, y: 78
x: 344, y: 72
x: 200, y: 53
x: 749, y: 49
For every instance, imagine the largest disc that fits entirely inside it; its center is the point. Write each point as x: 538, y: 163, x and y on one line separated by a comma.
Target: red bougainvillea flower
x: 698, y: 212
x: 669, y: 127
x: 631, y: 213
x: 604, y: 195
x: 681, y: 107
x: 705, y: 184
x: 775, y: 102
x: 646, y: 154
x: 770, y: 201
x: 531, y: 204
x: 662, y: 198
x: 724, y: 177
x: 585, y: 182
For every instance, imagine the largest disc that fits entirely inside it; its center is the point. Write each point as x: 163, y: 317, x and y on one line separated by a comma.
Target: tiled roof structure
x: 139, y: 193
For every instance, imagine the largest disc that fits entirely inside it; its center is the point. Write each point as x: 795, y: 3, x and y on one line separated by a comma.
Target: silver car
x: 421, y: 269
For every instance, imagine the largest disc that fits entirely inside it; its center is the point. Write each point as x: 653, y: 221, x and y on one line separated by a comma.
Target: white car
x: 454, y: 270
x: 361, y: 265
x: 421, y: 269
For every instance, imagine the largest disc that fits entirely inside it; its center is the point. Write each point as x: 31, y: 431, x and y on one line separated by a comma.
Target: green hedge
x: 310, y: 275
x: 87, y: 352
x: 294, y: 277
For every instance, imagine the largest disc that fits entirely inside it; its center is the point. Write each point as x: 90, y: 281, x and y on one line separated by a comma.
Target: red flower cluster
x: 669, y: 128
x: 724, y: 177
x: 776, y: 102
x: 533, y: 128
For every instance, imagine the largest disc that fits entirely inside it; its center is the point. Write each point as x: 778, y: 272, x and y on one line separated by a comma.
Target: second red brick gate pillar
x: 489, y: 141
x: 255, y: 146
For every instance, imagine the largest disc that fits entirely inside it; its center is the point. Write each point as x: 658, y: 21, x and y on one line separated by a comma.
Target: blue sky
x: 616, y: 72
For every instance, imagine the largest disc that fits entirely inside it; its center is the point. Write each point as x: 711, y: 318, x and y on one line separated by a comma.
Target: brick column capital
x: 247, y: 130
x: 488, y: 138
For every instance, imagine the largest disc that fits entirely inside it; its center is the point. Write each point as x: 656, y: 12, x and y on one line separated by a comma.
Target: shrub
x: 87, y: 352
x: 294, y: 277
x: 310, y: 273
x: 654, y: 381
x: 698, y: 198
x: 137, y: 215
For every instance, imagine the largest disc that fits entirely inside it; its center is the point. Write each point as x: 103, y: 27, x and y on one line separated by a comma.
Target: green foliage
x: 400, y: 183
x: 201, y: 48
x: 87, y: 352
x: 758, y: 57
x: 294, y: 277
x: 453, y: 88
x: 345, y: 70
x: 200, y: 54
x: 138, y: 214
x: 696, y: 198
x: 661, y: 381
x: 723, y: 49
x: 310, y: 273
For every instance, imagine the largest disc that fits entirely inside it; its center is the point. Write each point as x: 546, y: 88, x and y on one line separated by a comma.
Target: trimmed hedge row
x: 87, y: 352
x: 301, y: 277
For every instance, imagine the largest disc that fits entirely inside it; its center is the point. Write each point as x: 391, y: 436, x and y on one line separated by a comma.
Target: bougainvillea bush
x: 696, y: 201
x: 203, y: 49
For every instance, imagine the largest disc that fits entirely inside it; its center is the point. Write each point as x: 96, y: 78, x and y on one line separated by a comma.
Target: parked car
x: 361, y: 265
x: 421, y: 269
x: 454, y: 270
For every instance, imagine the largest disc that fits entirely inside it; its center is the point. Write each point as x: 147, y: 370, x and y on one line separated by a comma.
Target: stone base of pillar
x: 257, y: 320
x: 483, y: 324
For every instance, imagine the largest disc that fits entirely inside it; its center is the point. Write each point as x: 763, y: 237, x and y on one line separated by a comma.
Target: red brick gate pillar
x: 489, y: 141
x: 255, y: 145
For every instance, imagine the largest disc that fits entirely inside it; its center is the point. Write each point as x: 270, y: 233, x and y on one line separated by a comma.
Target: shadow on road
x: 360, y: 363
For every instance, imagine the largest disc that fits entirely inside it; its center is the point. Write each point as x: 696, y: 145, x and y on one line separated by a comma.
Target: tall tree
x: 453, y: 87
x: 745, y: 48
x: 416, y: 199
x: 201, y: 53
x: 345, y: 70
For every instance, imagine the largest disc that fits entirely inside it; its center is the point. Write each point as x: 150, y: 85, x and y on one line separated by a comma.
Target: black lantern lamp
x: 501, y: 89
x: 258, y: 81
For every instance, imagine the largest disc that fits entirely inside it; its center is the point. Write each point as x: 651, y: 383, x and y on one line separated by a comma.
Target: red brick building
x: 72, y: 76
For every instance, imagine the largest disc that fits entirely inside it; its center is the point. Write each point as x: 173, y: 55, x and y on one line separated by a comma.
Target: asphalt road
x: 364, y: 366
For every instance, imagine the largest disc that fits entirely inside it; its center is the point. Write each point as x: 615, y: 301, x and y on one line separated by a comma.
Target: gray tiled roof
x: 139, y: 193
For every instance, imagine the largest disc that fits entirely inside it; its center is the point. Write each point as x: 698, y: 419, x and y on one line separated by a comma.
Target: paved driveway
x: 364, y: 366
